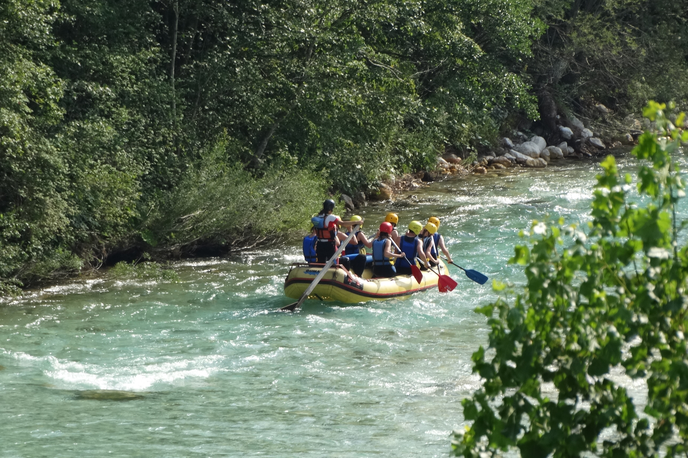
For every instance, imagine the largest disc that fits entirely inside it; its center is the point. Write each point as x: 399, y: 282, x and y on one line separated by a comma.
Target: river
x: 209, y: 367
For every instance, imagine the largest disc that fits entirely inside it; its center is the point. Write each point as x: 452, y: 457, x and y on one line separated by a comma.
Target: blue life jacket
x: 353, y: 249
x: 408, y: 246
x: 309, y: 248
x: 379, y: 253
x: 323, y: 233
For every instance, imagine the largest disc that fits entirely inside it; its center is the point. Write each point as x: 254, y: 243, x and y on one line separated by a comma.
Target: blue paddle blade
x: 476, y: 276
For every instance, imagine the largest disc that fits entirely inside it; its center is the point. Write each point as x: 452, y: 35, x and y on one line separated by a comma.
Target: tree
x: 612, y: 302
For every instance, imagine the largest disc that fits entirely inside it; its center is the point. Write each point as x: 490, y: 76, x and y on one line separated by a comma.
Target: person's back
x: 309, y: 242
x: 382, y: 265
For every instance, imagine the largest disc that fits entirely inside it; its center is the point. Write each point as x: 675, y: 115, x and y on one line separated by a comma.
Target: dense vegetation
x: 172, y: 125
x: 602, y: 310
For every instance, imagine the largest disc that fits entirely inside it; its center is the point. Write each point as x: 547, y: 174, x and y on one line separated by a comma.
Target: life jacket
x: 309, y: 248
x: 426, y: 242
x: 407, y: 245
x: 379, y: 253
x: 436, y: 238
x: 323, y: 233
x: 354, y: 249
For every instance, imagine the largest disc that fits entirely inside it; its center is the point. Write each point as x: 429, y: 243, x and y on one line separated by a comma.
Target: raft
x: 339, y: 285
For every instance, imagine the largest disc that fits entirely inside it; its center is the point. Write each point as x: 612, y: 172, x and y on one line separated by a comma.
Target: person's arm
x: 395, y: 237
x: 364, y: 240
x: 349, y: 224
x: 444, y: 249
x: 419, y: 250
x: 388, y: 251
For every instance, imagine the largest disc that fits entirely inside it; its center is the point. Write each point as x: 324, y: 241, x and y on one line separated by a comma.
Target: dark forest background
x: 193, y: 127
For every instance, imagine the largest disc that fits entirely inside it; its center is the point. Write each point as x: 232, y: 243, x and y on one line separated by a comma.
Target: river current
x: 209, y: 367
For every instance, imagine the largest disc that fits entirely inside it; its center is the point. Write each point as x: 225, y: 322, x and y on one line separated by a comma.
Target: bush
x: 612, y: 303
x: 219, y: 202
x: 143, y: 271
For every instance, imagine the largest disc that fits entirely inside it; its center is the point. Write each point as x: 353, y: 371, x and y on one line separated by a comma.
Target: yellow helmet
x: 357, y: 218
x: 431, y: 228
x: 415, y: 227
x: 434, y: 221
x: 392, y: 218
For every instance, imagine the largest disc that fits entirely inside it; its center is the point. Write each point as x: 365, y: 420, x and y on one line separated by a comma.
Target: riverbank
x: 574, y: 139
x: 522, y: 149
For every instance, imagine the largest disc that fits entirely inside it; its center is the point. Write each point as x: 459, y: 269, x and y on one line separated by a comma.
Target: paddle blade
x: 476, y: 276
x: 446, y: 284
x: 290, y: 307
x: 417, y: 274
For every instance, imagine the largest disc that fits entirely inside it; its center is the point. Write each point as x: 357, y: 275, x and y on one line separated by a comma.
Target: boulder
x: 519, y: 157
x: 539, y: 141
x: 348, y: 202
x: 442, y: 163
x: 536, y: 162
x: 596, y: 142
x: 502, y: 160
x: 359, y: 198
x: 480, y: 170
x: 506, y: 141
x: 569, y: 150
x: 428, y: 177
x: 530, y: 149
x: 554, y: 152
x: 563, y: 146
x: 577, y: 123
x: 586, y: 133
x: 383, y: 192
x: 565, y: 132
x: 497, y: 165
x: 544, y: 154
x: 452, y: 158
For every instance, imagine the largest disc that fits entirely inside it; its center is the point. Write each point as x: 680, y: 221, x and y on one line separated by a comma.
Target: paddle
x: 445, y: 283
x: 415, y: 271
x: 472, y: 274
x: 326, y: 267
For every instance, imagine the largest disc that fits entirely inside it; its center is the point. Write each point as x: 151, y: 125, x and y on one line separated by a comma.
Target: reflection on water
x: 232, y: 376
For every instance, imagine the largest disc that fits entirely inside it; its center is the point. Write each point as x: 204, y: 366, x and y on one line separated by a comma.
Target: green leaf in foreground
x: 609, y: 309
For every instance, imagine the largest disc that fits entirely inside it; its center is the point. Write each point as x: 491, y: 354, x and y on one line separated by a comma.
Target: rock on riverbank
x: 571, y: 140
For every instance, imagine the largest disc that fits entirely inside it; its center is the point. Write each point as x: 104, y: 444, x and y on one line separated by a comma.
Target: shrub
x: 219, y: 202
x: 612, y: 302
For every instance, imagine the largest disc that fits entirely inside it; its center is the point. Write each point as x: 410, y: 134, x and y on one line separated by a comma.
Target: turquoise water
x: 209, y: 367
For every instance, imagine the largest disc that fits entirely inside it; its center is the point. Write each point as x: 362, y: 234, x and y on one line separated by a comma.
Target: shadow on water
x: 107, y: 395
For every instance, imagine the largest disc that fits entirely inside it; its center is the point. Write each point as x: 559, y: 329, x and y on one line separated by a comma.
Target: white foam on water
x: 139, y: 376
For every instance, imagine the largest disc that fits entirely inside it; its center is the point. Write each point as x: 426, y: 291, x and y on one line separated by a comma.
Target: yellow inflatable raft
x: 340, y: 285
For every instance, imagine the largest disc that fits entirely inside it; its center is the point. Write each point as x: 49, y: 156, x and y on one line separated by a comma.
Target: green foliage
x: 597, y: 307
x: 147, y: 270
x: 220, y: 203
x: 618, y: 52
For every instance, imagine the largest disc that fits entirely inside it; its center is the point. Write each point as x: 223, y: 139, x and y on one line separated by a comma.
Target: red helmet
x: 386, y: 227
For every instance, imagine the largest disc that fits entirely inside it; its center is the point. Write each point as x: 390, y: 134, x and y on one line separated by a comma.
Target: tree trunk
x: 175, y: 27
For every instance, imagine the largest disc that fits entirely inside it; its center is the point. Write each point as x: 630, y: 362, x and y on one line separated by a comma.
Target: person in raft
x: 326, y: 231
x: 393, y: 219
x: 356, y: 248
x: 412, y: 247
x: 429, y: 243
x: 382, y: 253
x: 309, y: 243
x: 439, y: 240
